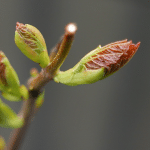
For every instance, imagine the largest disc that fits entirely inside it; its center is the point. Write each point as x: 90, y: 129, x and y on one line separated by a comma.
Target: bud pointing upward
x: 32, y: 44
x: 9, y: 81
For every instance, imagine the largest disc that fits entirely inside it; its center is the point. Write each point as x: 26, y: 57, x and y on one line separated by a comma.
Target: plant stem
x: 64, y: 48
x: 27, y: 113
x: 36, y: 84
x: 55, y: 49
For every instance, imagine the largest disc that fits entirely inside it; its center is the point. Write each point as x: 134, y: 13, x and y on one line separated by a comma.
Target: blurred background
x: 112, y: 114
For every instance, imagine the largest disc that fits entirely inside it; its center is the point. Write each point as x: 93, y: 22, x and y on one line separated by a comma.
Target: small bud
x: 9, y: 82
x: 34, y: 72
x: 99, y: 63
x: 24, y: 92
x: 32, y: 44
x: 40, y: 100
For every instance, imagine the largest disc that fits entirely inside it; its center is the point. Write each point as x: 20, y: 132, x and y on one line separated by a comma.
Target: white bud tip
x: 72, y: 27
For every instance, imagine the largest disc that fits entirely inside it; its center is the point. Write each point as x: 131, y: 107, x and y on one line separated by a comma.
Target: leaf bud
x: 9, y: 81
x: 34, y: 72
x: 24, y: 92
x: 32, y: 44
x: 99, y: 63
x: 40, y: 100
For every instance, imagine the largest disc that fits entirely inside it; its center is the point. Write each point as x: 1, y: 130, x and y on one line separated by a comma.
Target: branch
x: 36, y: 84
x: 55, y: 49
x: 27, y: 111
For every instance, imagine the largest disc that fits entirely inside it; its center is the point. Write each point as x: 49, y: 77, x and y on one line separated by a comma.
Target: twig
x: 27, y: 111
x: 36, y: 84
x: 55, y: 49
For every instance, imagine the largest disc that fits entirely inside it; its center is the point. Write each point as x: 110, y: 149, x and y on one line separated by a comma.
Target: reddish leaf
x: 2, y: 70
x: 113, y: 56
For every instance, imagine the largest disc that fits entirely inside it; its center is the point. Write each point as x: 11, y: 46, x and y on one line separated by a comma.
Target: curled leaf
x: 99, y: 63
x: 112, y: 56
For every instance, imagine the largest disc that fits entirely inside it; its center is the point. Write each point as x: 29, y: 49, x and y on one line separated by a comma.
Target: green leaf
x: 10, y: 96
x: 9, y: 81
x: 8, y: 118
x: 73, y: 77
x: 11, y: 75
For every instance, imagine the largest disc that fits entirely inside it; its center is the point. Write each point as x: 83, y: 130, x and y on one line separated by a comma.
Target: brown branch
x: 36, y: 84
x: 55, y: 49
x: 65, y: 46
x: 27, y: 111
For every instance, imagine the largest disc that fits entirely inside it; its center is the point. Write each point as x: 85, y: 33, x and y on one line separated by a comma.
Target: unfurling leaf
x: 99, y: 63
x: 8, y: 118
x: 32, y: 44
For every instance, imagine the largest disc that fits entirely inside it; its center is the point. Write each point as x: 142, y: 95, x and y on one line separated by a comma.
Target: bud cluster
x: 96, y: 65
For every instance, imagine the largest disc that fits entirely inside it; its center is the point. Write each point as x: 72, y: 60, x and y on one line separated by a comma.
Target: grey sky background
x: 112, y: 114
